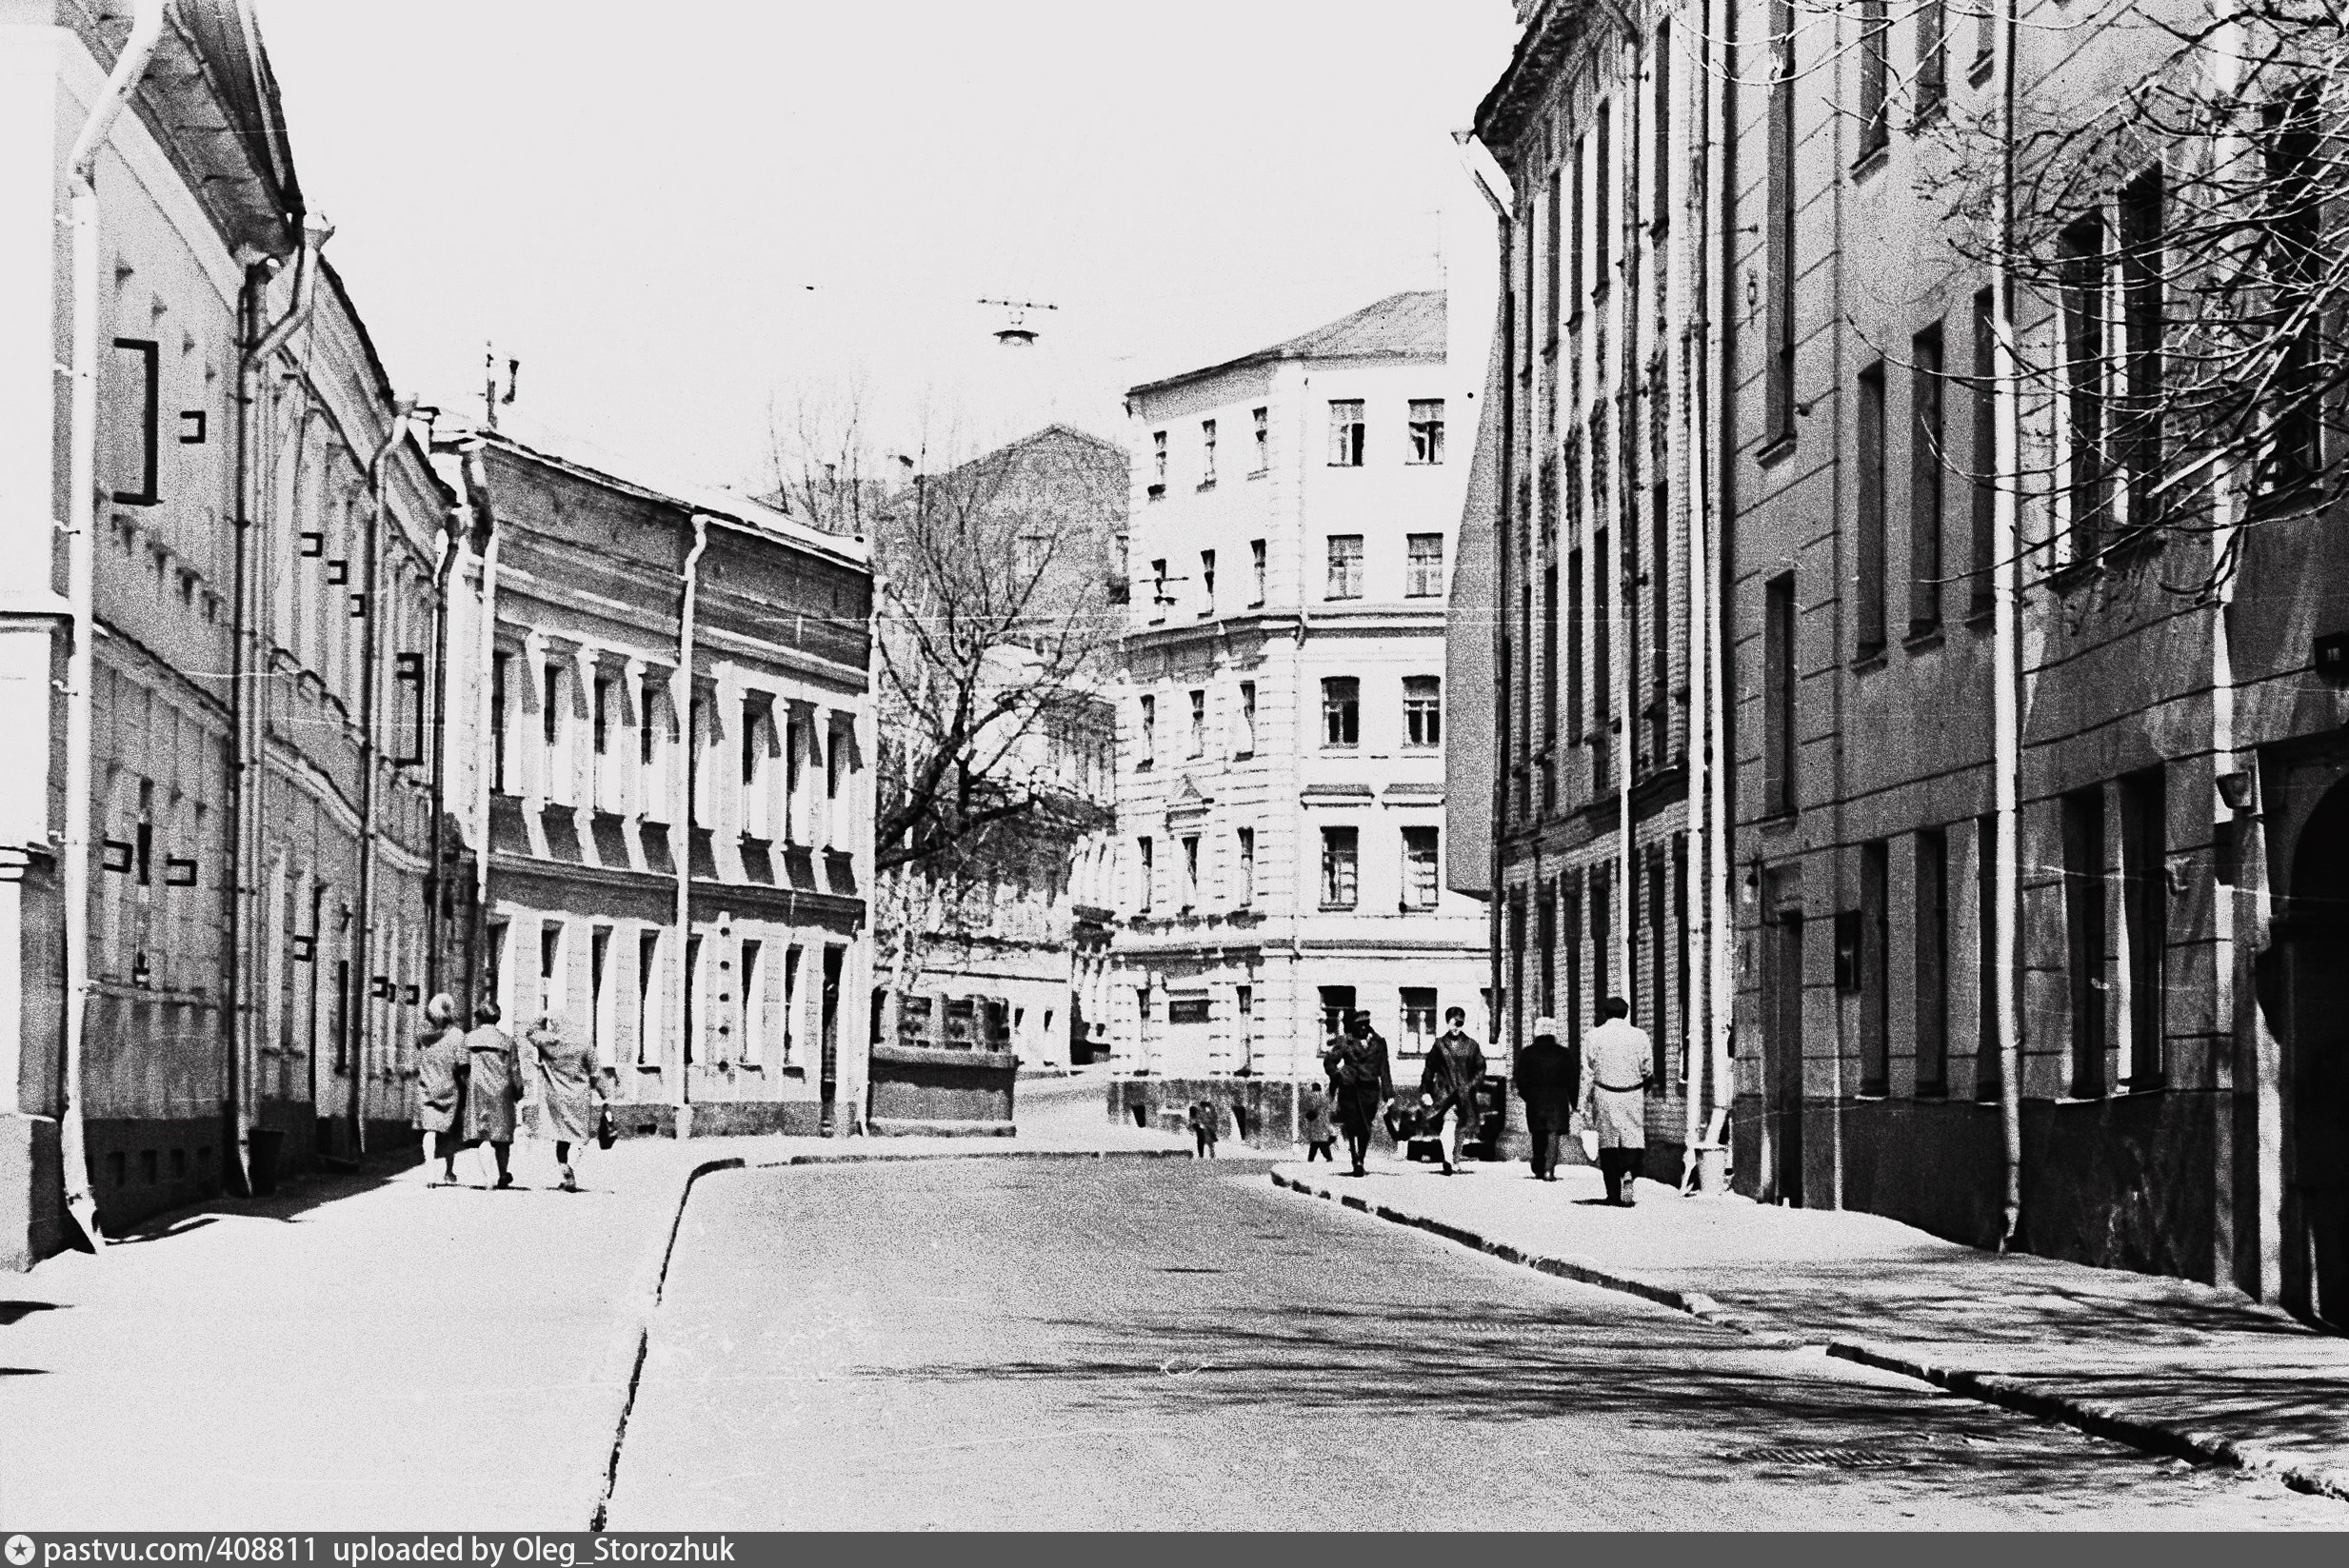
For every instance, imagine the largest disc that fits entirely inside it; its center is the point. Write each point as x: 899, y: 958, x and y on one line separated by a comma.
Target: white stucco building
x: 1281, y: 759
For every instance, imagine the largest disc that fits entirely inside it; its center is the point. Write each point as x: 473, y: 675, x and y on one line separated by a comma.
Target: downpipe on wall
x: 81, y: 595
x: 682, y: 705
x: 246, y: 764
x: 371, y: 672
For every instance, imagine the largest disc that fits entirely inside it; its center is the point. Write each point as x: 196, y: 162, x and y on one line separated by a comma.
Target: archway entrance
x: 2314, y: 946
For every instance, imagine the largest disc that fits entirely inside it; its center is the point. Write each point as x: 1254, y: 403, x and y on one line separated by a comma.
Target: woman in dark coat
x: 442, y: 1063
x: 494, y: 1085
x: 1360, y: 1075
x: 1549, y: 1078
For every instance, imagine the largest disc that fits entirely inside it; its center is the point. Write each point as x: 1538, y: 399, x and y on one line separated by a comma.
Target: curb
x: 2102, y: 1419
x: 631, y: 1340
x: 2023, y: 1395
x: 1695, y: 1303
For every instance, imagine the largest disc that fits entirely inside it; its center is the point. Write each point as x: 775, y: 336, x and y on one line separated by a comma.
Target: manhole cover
x: 1831, y: 1458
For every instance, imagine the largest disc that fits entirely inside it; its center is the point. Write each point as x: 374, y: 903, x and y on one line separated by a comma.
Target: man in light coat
x: 1622, y: 1064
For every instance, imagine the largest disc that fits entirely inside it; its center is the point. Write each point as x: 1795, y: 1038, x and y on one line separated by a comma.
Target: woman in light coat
x: 442, y: 1064
x: 494, y: 1084
x: 567, y: 1096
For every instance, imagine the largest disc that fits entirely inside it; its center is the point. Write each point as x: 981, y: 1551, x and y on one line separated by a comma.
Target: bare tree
x: 2179, y: 197
x: 820, y: 459
x: 997, y: 622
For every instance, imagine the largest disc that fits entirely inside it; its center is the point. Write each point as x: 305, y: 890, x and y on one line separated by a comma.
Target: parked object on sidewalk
x: 1358, y: 1069
x: 565, y: 1070
x: 1547, y: 1078
x: 1622, y: 1065
x: 1447, y: 1084
x: 494, y: 1084
x: 442, y: 1066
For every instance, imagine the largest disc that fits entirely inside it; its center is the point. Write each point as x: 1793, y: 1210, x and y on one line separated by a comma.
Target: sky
x: 686, y: 218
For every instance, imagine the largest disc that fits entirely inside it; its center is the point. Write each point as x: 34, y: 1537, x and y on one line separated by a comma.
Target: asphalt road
x: 1170, y: 1344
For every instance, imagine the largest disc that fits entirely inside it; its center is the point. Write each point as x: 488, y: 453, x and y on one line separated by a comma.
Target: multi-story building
x: 660, y: 742
x: 1281, y: 756
x: 2036, y: 932
x: 1596, y: 727
x: 216, y: 834
x: 1011, y: 924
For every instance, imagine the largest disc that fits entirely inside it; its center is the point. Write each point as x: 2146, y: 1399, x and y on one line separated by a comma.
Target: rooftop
x: 1409, y: 326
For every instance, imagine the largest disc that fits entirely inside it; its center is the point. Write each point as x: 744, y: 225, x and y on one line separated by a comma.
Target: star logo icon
x: 19, y: 1551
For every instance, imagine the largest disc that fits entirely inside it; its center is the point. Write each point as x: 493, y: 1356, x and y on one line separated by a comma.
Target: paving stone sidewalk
x: 371, y: 1353
x: 2167, y: 1365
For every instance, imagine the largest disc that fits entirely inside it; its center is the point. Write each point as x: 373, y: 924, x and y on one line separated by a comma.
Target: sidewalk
x: 2164, y: 1365
x: 366, y: 1352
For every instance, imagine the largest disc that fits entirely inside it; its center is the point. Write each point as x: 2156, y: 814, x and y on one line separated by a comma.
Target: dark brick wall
x: 910, y: 1086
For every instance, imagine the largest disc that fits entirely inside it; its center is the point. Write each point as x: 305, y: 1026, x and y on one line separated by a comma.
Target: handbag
x: 605, y: 1133
x: 1589, y: 1136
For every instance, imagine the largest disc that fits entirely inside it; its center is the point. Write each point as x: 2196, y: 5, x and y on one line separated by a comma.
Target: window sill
x: 1927, y: 113
x: 1775, y: 448
x: 1979, y: 72
x: 1338, y: 908
x: 1779, y: 821
x: 1206, y: 485
x: 1157, y: 492
x: 1922, y: 638
x: 1243, y: 756
x: 1869, y: 660
x: 1871, y: 159
x: 1146, y: 765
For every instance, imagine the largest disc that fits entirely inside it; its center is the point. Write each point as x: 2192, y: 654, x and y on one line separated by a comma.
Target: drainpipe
x: 486, y: 648
x: 436, y: 879
x: 1495, y: 817
x: 1698, y: 865
x: 370, y: 663
x: 1624, y: 607
x: 1720, y: 372
x: 248, y: 772
x: 684, y: 813
x: 2006, y: 661
x: 81, y: 594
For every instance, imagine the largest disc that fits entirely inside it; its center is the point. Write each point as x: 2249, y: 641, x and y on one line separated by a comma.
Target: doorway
x: 2313, y: 951
x: 1783, y: 1059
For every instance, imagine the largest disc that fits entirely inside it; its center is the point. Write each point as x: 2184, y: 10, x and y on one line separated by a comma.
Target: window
x: 1659, y: 956
x: 1146, y: 877
x: 1149, y: 732
x: 1875, y: 50
x: 1190, y: 872
x: 1576, y: 230
x: 1419, y: 1019
x: 1341, y: 857
x: 2297, y: 144
x: 1574, y: 644
x: 1346, y: 565
x: 2145, y: 907
x: 1550, y: 656
x: 1514, y: 995
x: 1158, y: 461
x: 1931, y: 912
x: 1243, y: 1005
x: 1545, y: 945
x: 1247, y: 720
x: 1423, y: 710
x: 1932, y: 55
x: 550, y: 709
x: 1422, y: 879
x: 1186, y: 1010
x: 1160, y: 598
x: 500, y: 669
x: 1206, y: 453
x: 1199, y: 724
x: 751, y: 1021
x: 2138, y: 441
x: 1660, y: 175
x: 2081, y: 266
x: 648, y: 997
x: 1207, y: 582
x: 1262, y: 419
x: 1924, y: 482
x: 139, y: 450
x: 1875, y: 1004
x: 1779, y: 793
x: 1778, y: 230
x: 1603, y: 648
x: 1987, y: 1064
x: 2083, y: 923
x: 1424, y: 577
x: 1342, y: 710
x: 1346, y: 433
x: 1256, y: 570
x: 1337, y: 1002
x: 1659, y: 616
x: 1244, y: 894
x: 1553, y: 251
x: 1868, y: 592
x: 1602, y: 203
x: 1980, y: 565
x: 1427, y: 429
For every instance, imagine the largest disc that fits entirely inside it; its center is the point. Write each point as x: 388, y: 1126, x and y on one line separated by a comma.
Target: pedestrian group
x: 470, y: 1084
